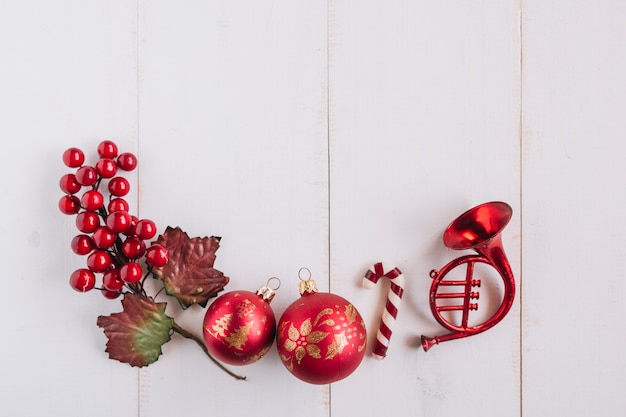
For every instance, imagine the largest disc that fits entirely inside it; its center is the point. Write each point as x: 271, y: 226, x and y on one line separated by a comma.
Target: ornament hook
x: 267, y: 283
x: 308, y: 271
x: 306, y: 285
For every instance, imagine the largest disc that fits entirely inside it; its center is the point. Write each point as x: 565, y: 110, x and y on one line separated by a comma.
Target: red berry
x: 118, y: 221
x: 118, y: 204
x: 127, y: 161
x: 69, y: 204
x: 86, y: 175
x: 87, y: 221
x: 131, y: 272
x: 82, y: 280
x: 73, y: 157
x: 145, y: 229
x: 103, y: 237
x: 132, y: 227
x: 92, y: 200
x: 119, y: 186
x: 82, y: 244
x: 106, y: 168
x: 98, y: 261
x: 107, y: 149
x: 157, y: 255
x: 111, y: 280
x: 133, y: 248
x: 111, y: 295
x: 68, y: 184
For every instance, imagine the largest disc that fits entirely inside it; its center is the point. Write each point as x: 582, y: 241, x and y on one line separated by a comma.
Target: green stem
x: 184, y: 333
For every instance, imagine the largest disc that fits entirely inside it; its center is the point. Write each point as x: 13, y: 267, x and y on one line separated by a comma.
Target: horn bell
x: 477, y: 226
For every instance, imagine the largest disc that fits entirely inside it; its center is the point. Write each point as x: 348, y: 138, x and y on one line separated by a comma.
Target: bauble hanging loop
x: 321, y: 337
x: 266, y: 292
x: 307, y: 285
x: 240, y: 326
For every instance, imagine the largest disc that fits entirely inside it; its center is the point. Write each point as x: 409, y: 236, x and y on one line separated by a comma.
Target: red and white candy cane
x: 394, y: 296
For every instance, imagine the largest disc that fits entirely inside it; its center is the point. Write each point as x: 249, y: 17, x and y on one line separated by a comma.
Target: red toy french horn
x: 478, y: 229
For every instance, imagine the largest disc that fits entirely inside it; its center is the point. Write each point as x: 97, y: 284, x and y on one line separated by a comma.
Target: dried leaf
x: 138, y: 332
x: 189, y: 275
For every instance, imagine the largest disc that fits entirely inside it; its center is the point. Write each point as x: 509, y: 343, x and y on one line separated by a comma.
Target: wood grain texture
x: 574, y: 125
x: 68, y: 78
x: 424, y: 125
x: 233, y: 128
x: 330, y: 135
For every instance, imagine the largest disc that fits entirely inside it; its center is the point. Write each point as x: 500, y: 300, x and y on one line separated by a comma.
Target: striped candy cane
x: 394, y: 296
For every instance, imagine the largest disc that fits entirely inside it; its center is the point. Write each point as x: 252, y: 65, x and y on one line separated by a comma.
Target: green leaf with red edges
x: 189, y: 274
x: 138, y: 332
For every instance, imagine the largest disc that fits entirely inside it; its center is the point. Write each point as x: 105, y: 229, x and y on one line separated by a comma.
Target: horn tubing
x: 492, y: 253
x: 468, y: 289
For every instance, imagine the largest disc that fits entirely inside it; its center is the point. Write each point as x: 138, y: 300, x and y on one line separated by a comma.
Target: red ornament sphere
x: 239, y: 327
x: 321, y: 337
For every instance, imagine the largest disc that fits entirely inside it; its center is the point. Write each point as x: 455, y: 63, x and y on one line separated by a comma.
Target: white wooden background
x: 332, y: 135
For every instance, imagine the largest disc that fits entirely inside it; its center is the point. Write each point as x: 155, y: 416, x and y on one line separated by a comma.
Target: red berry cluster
x: 112, y: 239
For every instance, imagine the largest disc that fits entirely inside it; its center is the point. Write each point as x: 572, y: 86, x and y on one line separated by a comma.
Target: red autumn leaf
x: 138, y: 332
x: 189, y: 274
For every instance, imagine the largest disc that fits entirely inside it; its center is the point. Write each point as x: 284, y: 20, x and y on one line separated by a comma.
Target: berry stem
x: 184, y: 333
x: 118, y: 258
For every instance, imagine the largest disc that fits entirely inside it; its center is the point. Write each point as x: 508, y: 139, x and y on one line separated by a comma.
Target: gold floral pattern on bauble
x: 305, y: 340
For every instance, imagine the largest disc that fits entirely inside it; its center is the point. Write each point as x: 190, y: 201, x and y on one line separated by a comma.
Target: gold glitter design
x: 259, y: 355
x: 303, y: 341
x: 313, y: 351
x: 245, y: 309
x: 239, y: 337
x: 305, y: 327
x: 337, y: 346
x: 300, y: 354
x: 350, y: 313
x: 288, y: 362
x: 324, y: 312
x: 220, y: 326
x: 316, y: 336
x: 362, y: 337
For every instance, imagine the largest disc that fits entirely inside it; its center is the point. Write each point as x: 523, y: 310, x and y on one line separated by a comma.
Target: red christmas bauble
x: 239, y: 327
x: 321, y: 337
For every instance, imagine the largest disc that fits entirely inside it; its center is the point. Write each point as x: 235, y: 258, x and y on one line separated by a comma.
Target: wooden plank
x: 424, y: 124
x: 233, y: 135
x: 68, y: 78
x: 573, y: 170
x: 228, y: 113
